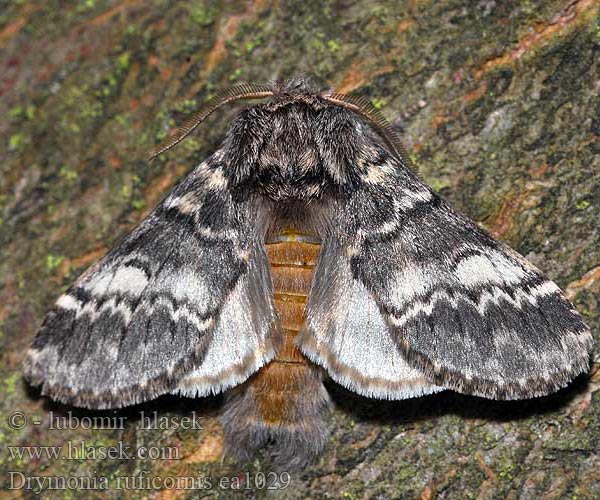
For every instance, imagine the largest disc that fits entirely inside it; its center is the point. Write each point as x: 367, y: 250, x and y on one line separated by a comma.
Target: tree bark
x: 500, y: 109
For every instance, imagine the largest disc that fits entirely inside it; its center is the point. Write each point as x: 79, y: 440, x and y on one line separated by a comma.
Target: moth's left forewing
x: 150, y: 312
x: 242, y: 341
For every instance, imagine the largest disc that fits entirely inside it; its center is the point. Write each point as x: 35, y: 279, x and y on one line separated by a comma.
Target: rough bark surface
x: 499, y: 104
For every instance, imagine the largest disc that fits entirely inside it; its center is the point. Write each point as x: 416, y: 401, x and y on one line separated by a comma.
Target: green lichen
x: 506, y: 471
x: 16, y: 141
x: 237, y: 73
x: 123, y: 61
x: 68, y: 173
x: 20, y: 112
x: 86, y: 7
x: 256, y: 41
x: 201, y: 15
x: 333, y: 46
x: 378, y: 103
x: 439, y: 184
x: 582, y: 204
x: 53, y: 261
x: 187, y: 106
x: 138, y: 204
x: 10, y: 383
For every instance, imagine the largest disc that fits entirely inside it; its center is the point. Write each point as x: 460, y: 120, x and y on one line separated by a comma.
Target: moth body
x: 304, y: 240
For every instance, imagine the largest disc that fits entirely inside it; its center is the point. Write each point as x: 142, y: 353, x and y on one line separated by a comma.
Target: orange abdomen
x: 283, y: 402
x: 279, y: 384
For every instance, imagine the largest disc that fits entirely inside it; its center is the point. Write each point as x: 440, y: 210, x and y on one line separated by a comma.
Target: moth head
x: 283, y: 92
x: 298, y: 87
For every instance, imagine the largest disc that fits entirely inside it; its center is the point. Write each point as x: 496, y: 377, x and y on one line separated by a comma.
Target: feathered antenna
x: 245, y: 91
x: 364, y: 108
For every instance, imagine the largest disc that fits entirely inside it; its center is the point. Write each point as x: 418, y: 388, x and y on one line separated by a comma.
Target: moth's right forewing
x: 416, y: 297
x: 465, y: 310
x: 133, y: 325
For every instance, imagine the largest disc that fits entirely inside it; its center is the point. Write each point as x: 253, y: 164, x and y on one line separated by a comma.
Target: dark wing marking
x: 141, y: 319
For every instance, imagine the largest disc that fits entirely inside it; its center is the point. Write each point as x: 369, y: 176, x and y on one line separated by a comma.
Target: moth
x: 304, y: 244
